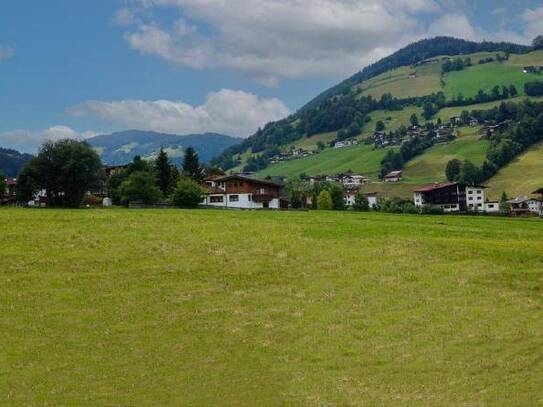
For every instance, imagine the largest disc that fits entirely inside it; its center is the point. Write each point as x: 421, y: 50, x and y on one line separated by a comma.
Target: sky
x: 78, y: 68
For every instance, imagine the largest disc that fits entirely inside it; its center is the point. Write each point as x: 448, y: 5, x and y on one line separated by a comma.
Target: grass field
x: 430, y: 166
x: 522, y: 176
x: 361, y: 159
x: 485, y: 77
x: 393, y: 120
x: 140, y: 308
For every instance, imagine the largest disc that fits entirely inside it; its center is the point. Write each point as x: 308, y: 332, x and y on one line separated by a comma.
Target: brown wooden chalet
x: 242, y: 192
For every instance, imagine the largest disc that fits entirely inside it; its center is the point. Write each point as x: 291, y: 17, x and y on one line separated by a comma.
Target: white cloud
x: 230, y: 112
x: 6, y: 52
x: 30, y: 141
x: 271, y: 40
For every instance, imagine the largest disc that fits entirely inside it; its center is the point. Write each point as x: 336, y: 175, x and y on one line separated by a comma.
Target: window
x: 216, y: 199
x: 470, y: 192
x: 479, y: 192
x: 250, y: 197
x: 234, y: 198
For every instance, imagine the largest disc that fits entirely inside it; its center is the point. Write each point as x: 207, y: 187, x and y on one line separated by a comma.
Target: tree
x: 379, y: 126
x: 361, y: 202
x: 139, y: 186
x: 338, y: 199
x: 324, y: 201
x: 505, y: 207
x: 320, y: 145
x: 513, y: 91
x: 3, y: 186
x: 414, y: 120
x: 187, y: 194
x: 428, y: 110
x: 163, y: 171
x: 191, y: 165
x: 469, y: 173
x: 537, y: 43
x: 296, y: 191
x: 453, y: 169
x: 65, y: 170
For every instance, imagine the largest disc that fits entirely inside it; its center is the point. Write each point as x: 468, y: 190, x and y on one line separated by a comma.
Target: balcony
x: 263, y: 196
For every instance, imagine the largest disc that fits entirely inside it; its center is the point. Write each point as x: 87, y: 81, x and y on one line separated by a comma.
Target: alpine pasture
x: 145, y: 307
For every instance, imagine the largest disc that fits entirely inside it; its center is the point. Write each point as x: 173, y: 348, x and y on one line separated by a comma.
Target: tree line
x: 68, y: 171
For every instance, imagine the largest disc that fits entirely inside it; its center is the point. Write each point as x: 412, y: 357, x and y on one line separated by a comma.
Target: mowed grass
x: 393, y: 120
x: 137, y: 308
x: 430, y: 166
x: 522, y: 176
x: 362, y: 159
x: 485, y: 77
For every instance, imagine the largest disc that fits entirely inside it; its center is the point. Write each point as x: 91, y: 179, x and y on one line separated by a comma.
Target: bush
x: 431, y: 210
x: 187, y: 194
x: 361, y: 202
x: 139, y: 186
x: 324, y: 201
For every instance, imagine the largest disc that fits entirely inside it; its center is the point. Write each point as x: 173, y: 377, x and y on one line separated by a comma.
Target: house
x: 11, y: 184
x: 350, y: 196
x: 351, y: 180
x: 241, y: 192
x: 540, y: 192
x: 339, y: 144
x: 492, y: 206
x: 473, y: 122
x: 451, y: 197
x: 394, y: 176
x: 525, y: 206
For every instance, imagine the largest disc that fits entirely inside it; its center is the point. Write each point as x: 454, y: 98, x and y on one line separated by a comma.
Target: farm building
x: 241, y: 192
x: 452, y: 197
x: 394, y: 176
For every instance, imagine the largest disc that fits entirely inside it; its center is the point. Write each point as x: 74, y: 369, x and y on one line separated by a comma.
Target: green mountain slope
x: 520, y: 177
x: 11, y: 162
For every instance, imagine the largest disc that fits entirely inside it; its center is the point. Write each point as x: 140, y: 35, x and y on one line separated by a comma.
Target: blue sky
x: 74, y: 68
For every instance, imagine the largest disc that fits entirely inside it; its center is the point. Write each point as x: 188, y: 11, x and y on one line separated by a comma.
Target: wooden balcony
x: 260, y: 197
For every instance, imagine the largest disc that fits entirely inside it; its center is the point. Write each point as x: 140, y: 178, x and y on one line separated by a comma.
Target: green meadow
x: 363, y: 159
x: 203, y: 308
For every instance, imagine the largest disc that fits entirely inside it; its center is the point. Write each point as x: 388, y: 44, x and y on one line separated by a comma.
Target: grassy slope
x: 430, y: 166
x: 362, y: 159
x: 190, y: 308
x: 393, y: 119
x: 521, y: 177
x: 485, y: 77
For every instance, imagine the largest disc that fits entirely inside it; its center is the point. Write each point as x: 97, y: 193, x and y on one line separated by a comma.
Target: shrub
x: 324, y: 201
x: 139, y: 186
x: 187, y: 194
x: 361, y: 202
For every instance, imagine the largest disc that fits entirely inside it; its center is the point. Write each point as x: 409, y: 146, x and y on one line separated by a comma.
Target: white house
x: 353, y: 180
x: 241, y: 192
x: 451, y: 197
x: 350, y: 195
x: 394, y: 176
x: 492, y: 206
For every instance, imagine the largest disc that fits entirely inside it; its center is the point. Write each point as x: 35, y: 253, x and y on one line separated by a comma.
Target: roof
x: 11, y: 181
x: 521, y: 199
x: 245, y: 178
x: 393, y: 174
x: 439, y: 185
x: 435, y: 186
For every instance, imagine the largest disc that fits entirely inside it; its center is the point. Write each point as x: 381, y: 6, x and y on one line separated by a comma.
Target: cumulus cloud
x: 270, y: 40
x: 230, y: 112
x: 6, y: 52
x: 30, y: 141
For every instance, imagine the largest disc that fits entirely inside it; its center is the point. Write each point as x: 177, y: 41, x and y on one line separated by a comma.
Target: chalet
x: 339, y: 144
x: 540, y: 192
x: 532, y: 69
x: 11, y: 184
x: 451, y: 197
x: 351, y: 180
x: 394, y: 176
x: 525, y: 206
x: 241, y: 192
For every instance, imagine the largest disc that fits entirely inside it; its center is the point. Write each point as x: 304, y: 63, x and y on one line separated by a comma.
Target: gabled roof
x: 393, y: 174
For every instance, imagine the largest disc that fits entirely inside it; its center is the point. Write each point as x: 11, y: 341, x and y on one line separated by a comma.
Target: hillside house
x: 351, y: 180
x: 241, y: 192
x: 525, y: 206
x: 394, y: 176
x: 492, y: 206
x: 451, y: 197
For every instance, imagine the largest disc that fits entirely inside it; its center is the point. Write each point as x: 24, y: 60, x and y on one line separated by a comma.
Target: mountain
x: 376, y: 88
x: 12, y: 161
x: 451, y: 87
x: 120, y: 148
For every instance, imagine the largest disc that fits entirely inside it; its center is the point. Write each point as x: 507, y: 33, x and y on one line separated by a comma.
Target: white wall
x: 243, y: 202
x: 475, y: 199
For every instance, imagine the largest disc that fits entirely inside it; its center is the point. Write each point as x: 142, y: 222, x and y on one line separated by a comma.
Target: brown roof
x: 245, y: 178
x: 436, y: 186
x: 11, y: 182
